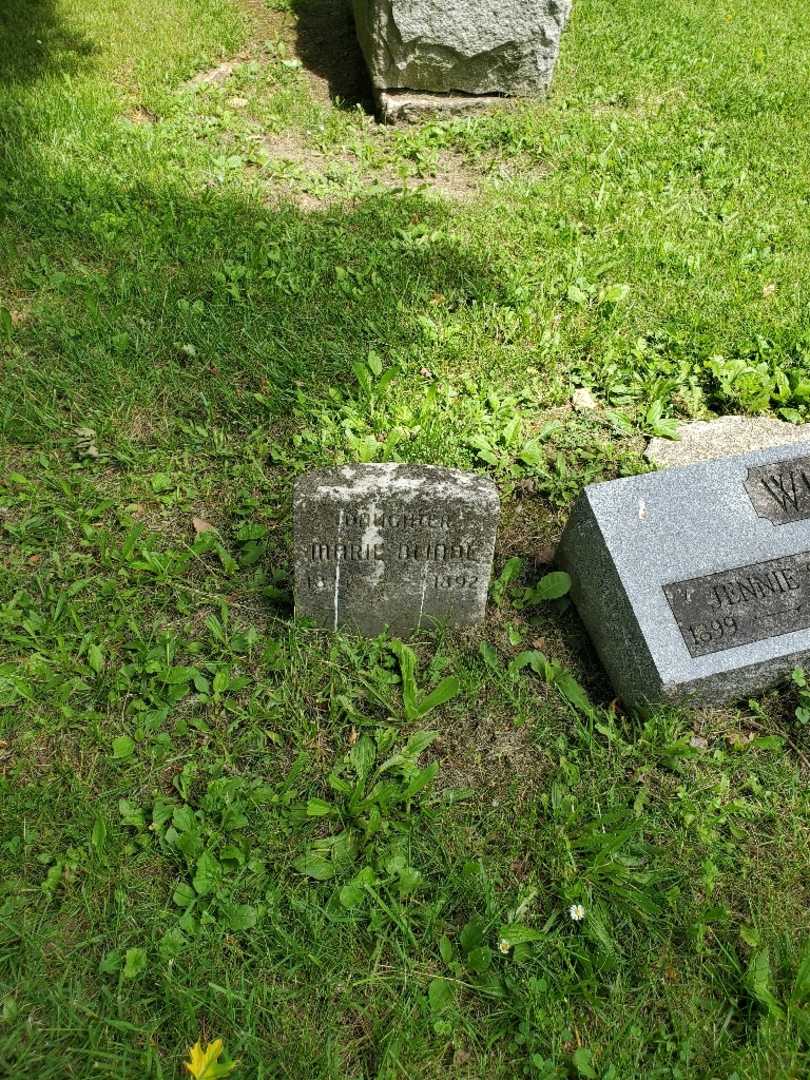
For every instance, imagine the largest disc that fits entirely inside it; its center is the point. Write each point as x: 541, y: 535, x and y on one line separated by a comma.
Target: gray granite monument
x: 396, y: 547
x: 694, y: 583
x: 417, y: 50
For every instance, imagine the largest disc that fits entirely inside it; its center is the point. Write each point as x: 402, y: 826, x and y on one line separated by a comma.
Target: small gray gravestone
x: 396, y: 547
x: 694, y: 583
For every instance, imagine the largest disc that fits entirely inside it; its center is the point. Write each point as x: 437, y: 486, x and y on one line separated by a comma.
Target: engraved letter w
x: 782, y: 491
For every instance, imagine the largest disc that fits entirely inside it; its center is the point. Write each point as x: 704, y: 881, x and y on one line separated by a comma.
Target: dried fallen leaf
x: 739, y: 739
x: 699, y: 743
x: 202, y: 526
x: 769, y: 289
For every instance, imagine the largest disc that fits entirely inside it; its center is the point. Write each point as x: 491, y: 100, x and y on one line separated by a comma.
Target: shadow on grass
x: 328, y: 47
x: 198, y: 303
x: 34, y: 39
x: 208, y: 305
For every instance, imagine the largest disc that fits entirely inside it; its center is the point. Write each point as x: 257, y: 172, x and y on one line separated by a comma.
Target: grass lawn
x: 208, y: 252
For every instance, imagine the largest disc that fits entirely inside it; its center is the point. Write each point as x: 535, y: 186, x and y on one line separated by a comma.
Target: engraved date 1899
x: 716, y: 630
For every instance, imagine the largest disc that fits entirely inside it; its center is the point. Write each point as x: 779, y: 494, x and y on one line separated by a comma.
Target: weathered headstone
x: 467, y: 47
x: 694, y: 583
x: 397, y: 547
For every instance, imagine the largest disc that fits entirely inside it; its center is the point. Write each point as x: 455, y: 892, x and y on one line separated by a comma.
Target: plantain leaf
x: 314, y: 866
x: 801, y: 987
x: 440, y: 996
x: 446, y: 690
x: 98, y: 836
x: 582, y: 1063
x: 552, y: 586
x: 123, y: 747
x: 572, y: 691
x: 407, y: 667
x: 759, y: 982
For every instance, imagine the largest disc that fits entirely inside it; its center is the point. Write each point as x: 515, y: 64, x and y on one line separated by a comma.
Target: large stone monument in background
x: 426, y: 56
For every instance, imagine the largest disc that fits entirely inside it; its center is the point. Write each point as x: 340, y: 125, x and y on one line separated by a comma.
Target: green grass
x: 189, y: 278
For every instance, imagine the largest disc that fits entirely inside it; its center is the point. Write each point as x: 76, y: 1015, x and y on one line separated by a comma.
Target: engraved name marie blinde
x: 393, y: 546
x: 761, y: 600
x: 370, y: 538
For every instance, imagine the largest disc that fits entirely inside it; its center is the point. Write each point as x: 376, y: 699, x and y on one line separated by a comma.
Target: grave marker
x: 694, y: 583
x: 425, y: 56
x: 393, y: 546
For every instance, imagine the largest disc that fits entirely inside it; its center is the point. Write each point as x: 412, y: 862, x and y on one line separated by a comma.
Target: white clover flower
x: 504, y: 946
x: 577, y: 912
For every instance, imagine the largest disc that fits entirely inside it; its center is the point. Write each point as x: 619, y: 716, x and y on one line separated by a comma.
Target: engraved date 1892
x: 454, y: 581
x: 714, y: 631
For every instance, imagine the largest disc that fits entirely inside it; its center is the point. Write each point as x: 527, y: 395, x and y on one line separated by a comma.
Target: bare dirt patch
x: 486, y: 753
x: 265, y: 21
x: 140, y: 425
x: 315, y: 180
x: 141, y: 115
x: 290, y: 165
x: 214, y: 76
x: 453, y: 178
x: 530, y: 530
x: 19, y: 308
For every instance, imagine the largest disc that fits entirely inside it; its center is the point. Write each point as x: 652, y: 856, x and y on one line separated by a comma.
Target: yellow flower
x: 205, y: 1064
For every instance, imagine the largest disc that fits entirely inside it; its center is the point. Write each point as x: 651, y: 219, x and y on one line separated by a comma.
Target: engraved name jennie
x: 738, y: 606
x: 754, y: 587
